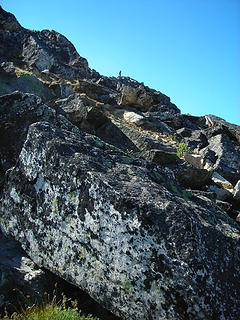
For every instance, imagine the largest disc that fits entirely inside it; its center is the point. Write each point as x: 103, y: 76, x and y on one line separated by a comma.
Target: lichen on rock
x: 114, y: 232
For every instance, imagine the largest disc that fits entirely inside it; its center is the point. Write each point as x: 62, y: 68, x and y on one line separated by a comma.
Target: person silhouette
x: 120, y: 73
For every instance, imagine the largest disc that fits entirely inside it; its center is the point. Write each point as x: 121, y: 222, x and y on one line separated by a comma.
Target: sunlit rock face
x: 112, y: 225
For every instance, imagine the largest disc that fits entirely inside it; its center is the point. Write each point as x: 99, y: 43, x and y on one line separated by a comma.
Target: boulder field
x: 107, y: 185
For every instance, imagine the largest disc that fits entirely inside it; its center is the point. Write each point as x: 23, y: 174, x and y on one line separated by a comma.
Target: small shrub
x: 182, y: 147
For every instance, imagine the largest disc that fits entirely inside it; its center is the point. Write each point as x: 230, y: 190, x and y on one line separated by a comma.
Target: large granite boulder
x: 120, y: 229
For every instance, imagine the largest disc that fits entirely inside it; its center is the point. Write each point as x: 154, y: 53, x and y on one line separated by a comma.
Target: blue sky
x: 187, y: 49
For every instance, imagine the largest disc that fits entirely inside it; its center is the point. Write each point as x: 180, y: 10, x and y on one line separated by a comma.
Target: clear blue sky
x: 187, y: 49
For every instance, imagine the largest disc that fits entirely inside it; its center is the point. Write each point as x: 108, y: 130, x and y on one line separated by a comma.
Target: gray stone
x: 232, y: 130
x: 136, y: 97
x: 221, y: 194
x: 224, y: 155
x: 17, y: 111
x: 97, y: 92
x: 194, y: 178
x: 127, y: 137
x: 197, y: 140
x: 133, y: 117
x: 82, y: 111
x: 225, y: 206
x: 236, y: 194
x: 26, y: 83
x: 162, y: 157
x: 94, y: 216
x: 194, y: 159
x: 221, y: 182
x: 22, y: 282
x: 8, y: 21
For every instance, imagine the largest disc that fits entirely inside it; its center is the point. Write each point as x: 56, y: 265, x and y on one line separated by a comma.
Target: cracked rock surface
x: 94, y: 216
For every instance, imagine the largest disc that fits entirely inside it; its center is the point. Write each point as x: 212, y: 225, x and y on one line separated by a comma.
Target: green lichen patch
x: 180, y: 192
x: 126, y: 159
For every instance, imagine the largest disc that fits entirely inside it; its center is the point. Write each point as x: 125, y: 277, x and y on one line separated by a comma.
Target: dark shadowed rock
x: 97, y: 92
x: 95, y: 216
x: 22, y: 282
x: 196, y: 141
x: 193, y: 177
x: 26, y: 83
x: 39, y: 50
x: 162, y: 156
x: 8, y: 22
x: 17, y: 111
x: 83, y: 112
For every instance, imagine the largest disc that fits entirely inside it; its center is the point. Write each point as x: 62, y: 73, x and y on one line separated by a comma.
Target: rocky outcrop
x: 39, y: 49
x: 231, y: 129
x: 104, y: 182
x: 93, y: 215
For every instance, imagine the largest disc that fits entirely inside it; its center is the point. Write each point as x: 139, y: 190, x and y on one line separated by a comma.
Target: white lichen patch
x: 14, y: 195
x: 146, y: 256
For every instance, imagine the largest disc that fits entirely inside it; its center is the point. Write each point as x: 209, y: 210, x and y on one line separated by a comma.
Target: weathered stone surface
x: 146, y: 122
x: 133, y: 117
x: 117, y: 226
x: 8, y: 21
x: 232, y: 130
x: 221, y: 182
x: 40, y: 49
x: 82, y: 112
x: 127, y: 137
x: 22, y: 283
x: 17, y: 111
x: 236, y: 194
x: 221, y: 194
x: 200, y: 122
x: 97, y: 92
x: 26, y: 83
x: 162, y: 157
x: 135, y: 97
x: 226, y: 206
x: 238, y: 218
x: 194, y: 159
x: 93, y: 215
x: 197, y: 140
x: 224, y: 157
x: 7, y: 67
x: 193, y: 177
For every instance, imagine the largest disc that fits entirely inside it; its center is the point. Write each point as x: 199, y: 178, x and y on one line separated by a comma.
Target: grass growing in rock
x: 50, y: 311
x: 182, y: 147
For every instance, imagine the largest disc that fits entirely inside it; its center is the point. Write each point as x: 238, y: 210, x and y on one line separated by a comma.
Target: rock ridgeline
x: 106, y: 184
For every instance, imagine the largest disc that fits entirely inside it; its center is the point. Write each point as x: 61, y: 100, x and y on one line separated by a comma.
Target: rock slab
x: 96, y: 217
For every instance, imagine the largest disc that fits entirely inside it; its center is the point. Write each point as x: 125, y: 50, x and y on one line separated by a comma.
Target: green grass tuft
x: 50, y: 311
x: 182, y: 147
